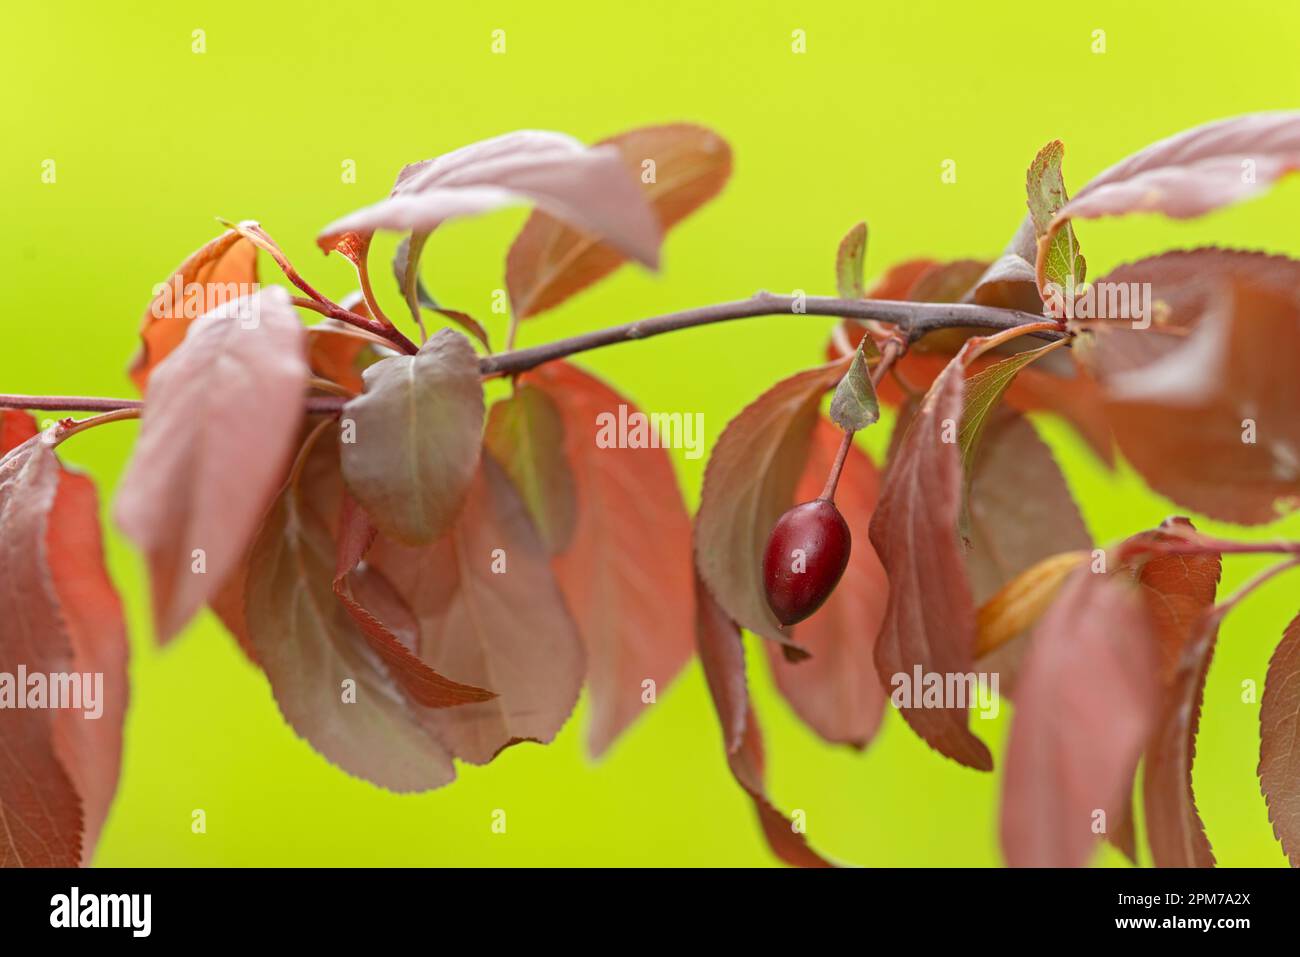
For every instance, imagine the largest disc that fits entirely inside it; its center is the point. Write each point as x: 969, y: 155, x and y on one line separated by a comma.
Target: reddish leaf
x: 589, y: 188
x: 1086, y: 701
x: 1179, y: 591
x: 488, y: 612
x: 1021, y: 513
x: 526, y: 434
x: 947, y: 282
x: 89, y: 749
x: 930, y: 620
x: 16, y: 427
x: 1279, y: 741
x: 422, y: 683
x: 1009, y: 283
x: 749, y: 483
x: 219, y: 424
x: 228, y: 605
x: 218, y: 273
x: 39, y: 805
x: 626, y: 575
x: 1216, y: 432
x: 898, y: 280
x: 722, y: 656
x: 340, y: 353
x: 1195, y: 171
x: 836, y: 692
x: 1021, y: 509
x: 1174, y: 828
x: 550, y: 261
x: 418, y: 431
x: 330, y: 686
x: 1070, y: 393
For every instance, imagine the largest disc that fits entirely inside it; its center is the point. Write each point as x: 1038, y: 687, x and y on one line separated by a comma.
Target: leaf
x: 1085, y: 703
x: 854, y: 405
x: 626, y: 575
x: 219, y: 424
x: 1019, y: 604
x: 930, y: 619
x: 947, y: 282
x: 1059, y: 260
x: 984, y: 389
x: 39, y: 805
x: 1056, y: 385
x: 1223, y: 442
x: 487, y: 612
x: 749, y: 483
x: 315, y: 655
x: 1021, y: 513
x: 61, y: 615
x: 1279, y: 741
x: 228, y: 605
x: 1010, y: 283
x: 722, y: 656
x: 219, y: 272
x: 1194, y: 172
x: 1174, y: 828
x: 340, y: 353
x: 90, y: 750
x: 836, y: 692
x: 1179, y: 589
x: 850, y: 263
x: 550, y: 259
x: 418, y: 429
x: 406, y: 262
x: 525, y: 433
x: 424, y: 685
x: 588, y: 188
x: 16, y: 427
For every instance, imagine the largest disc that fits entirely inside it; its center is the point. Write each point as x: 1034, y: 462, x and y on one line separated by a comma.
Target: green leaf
x: 406, y: 267
x: 983, y: 390
x: 1062, y: 262
x: 526, y: 435
x: 854, y: 404
x: 850, y: 263
x: 982, y: 393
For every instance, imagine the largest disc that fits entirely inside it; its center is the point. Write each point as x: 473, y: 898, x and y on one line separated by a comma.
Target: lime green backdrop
x: 152, y: 140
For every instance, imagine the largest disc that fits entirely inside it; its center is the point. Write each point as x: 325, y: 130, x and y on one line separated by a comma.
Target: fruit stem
x: 832, y: 480
x: 890, y: 351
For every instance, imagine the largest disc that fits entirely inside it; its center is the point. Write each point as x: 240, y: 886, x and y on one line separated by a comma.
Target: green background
x: 152, y: 141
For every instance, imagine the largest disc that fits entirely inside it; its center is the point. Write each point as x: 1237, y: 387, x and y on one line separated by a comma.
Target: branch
x: 914, y: 319
x: 318, y: 405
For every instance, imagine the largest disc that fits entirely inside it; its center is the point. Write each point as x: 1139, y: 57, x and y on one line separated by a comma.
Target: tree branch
x: 914, y: 319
